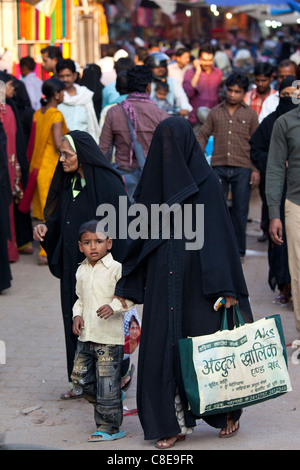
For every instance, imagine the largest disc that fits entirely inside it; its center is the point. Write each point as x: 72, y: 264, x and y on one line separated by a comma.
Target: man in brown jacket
x: 232, y: 123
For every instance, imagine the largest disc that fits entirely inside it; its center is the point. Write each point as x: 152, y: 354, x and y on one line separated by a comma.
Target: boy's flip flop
x: 103, y: 436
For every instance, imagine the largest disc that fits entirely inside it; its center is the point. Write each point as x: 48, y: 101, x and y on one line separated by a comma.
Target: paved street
x: 34, y: 375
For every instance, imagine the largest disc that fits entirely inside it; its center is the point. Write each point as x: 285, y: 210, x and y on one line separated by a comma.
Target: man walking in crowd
x: 182, y: 63
x: 140, y: 55
x: 107, y: 63
x: 158, y: 63
x: 50, y: 56
x: 232, y: 123
x: 202, y: 82
x: 144, y: 116
x: 263, y: 76
x: 109, y: 93
x: 32, y: 83
x: 285, y: 68
x: 77, y: 107
x: 283, y: 166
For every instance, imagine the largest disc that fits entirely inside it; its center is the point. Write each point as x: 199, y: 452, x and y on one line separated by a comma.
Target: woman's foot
x: 284, y: 296
x: 231, y: 428
x: 26, y: 250
x: 42, y: 260
x: 169, y: 442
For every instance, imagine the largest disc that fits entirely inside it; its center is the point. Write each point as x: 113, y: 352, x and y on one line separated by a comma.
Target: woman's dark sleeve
x: 259, y: 148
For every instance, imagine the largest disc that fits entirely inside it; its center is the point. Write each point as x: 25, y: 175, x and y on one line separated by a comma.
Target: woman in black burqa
x: 5, y: 201
x: 91, y: 77
x: 81, y: 182
x: 178, y: 287
x: 279, y: 275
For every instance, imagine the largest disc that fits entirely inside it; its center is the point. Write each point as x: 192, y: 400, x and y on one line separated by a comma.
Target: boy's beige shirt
x: 95, y: 286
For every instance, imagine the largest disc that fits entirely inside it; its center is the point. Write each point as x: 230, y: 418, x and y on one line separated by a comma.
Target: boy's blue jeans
x: 97, y: 370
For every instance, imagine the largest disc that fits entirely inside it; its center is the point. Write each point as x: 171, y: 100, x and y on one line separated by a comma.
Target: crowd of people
x: 195, y: 124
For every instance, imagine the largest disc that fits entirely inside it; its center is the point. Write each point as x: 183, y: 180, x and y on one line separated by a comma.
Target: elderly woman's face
x: 68, y: 157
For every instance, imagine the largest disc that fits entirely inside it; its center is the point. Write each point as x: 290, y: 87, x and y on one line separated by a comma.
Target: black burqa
x: 5, y: 201
x: 260, y: 142
x: 91, y: 79
x: 23, y: 223
x: 177, y: 286
x: 24, y: 107
x: 64, y: 214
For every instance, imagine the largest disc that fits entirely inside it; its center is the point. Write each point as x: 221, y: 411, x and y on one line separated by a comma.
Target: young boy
x: 98, y: 320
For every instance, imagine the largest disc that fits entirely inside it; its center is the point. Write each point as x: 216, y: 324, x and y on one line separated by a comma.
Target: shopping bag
x: 232, y: 369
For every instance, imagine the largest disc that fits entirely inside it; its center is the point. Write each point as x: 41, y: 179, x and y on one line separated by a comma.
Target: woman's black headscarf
x: 91, y: 79
x: 175, y: 165
x: 25, y: 110
x: 285, y: 103
x: 21, y: 145
x: 100, y: 176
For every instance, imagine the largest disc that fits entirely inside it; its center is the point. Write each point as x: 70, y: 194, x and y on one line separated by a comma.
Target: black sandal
x: 236, y: 423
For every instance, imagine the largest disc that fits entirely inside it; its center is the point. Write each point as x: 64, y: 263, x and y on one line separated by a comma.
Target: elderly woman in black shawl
x: 83, y: 180
x: 279, y: 274
x: 177, y: 286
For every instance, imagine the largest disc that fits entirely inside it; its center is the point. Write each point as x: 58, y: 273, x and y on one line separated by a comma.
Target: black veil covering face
x: 177, y: 286
x: 5, y: 201
x: 64, y: 214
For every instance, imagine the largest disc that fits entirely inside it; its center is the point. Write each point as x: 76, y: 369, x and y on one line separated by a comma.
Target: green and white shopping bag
x: 232, y: 369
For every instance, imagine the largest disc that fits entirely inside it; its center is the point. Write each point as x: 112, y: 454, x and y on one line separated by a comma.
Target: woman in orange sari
x: 49, y: 127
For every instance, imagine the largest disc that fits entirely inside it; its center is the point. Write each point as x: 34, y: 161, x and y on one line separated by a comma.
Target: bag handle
x: 237, y: 315
x: 138, y: 149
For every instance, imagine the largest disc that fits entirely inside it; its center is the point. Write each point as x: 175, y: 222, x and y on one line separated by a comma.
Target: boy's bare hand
x: 105, y: 312
x: 78, y: 325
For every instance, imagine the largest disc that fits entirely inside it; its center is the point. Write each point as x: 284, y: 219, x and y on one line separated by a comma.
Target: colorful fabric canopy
x: 230, y: 3
x: 34, y: 25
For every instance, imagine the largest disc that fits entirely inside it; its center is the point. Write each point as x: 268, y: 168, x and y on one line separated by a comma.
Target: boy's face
x: 94, y: 246
x: 234, y: 94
